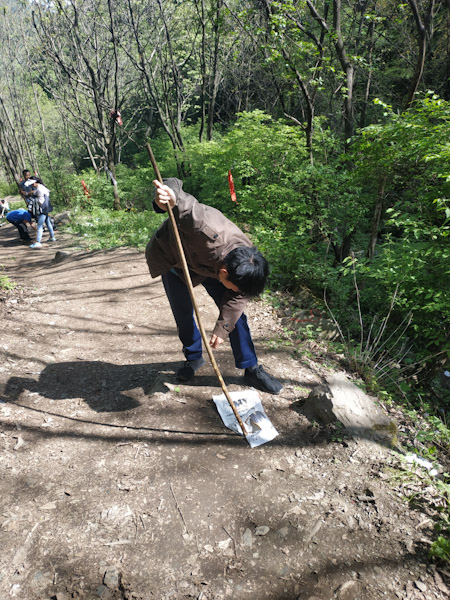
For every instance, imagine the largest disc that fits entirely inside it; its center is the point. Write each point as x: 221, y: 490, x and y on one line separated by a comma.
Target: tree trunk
x: 343, y: 250
x: 348, y: 69
x: 8, y: 127
x: 11, y: 161
x: 379, y: 203
x: 362, y: 118
x: 215, y: 75
x: 44, y: 134
x: 422, y: 34
x: 111, y: 154
x: 203, y: 70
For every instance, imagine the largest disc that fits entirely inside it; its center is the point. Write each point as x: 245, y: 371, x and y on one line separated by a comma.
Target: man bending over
x: 220, y: 257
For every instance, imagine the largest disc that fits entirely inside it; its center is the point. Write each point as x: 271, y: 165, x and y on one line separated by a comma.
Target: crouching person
x: 21, y: 218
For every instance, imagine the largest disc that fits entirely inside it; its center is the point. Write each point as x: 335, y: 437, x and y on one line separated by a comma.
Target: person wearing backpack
x: 40, y: 208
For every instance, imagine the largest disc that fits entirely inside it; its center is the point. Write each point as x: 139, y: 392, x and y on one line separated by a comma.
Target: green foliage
x: 103, y: 228
x: 135, y: 189
x: 263, y: 155
x: 166, y: 156
x: 6, y: 283
x: 338, y: 432
x: 440, y: 548
x: 285, y: 204
x: 8, y: 189
x: 411, y: 151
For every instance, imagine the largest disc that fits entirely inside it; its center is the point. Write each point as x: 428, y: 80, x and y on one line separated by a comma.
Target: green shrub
x: 8, y: 189
x: 411, y: 151
x: 440, y: 548
x: 6, y: 283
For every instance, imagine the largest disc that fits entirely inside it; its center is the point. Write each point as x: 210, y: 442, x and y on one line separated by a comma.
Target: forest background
x: 332, y: 116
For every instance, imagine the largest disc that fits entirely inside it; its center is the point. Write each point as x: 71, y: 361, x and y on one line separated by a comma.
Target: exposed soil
x: 117, y: 486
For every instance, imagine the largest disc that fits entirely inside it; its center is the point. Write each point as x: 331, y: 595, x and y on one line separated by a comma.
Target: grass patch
x: 102, y: 228
x: 6, y: 283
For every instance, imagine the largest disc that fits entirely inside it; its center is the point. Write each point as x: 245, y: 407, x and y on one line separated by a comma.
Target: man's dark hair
x: 25, y: 171
x: 248, y: 269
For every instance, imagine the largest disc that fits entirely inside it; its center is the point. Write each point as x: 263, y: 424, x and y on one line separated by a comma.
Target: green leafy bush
x: 440, y: 548
x: 8, y: 189
x: 412, y: 153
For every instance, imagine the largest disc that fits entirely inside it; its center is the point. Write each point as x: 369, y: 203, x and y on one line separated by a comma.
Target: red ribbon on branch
x: 86, y: 190
x: 231, y: 186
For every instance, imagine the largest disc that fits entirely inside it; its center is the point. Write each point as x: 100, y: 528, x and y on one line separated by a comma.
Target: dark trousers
x: 23, y: 231
x: 183, y: 311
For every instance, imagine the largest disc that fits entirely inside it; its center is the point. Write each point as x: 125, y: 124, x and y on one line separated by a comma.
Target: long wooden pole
x: 187, y: 277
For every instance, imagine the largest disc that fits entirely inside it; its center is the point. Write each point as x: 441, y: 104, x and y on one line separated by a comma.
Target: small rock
x: 20, y: 442
x: 262, y: 530
x: 348, y: 591
x: 440, y: 582
x: 341, y: 400
x: 60, y: 256
x: 421, y: 586
x: 247, y: 538
x: 62, y: 218
x: 111, y: 578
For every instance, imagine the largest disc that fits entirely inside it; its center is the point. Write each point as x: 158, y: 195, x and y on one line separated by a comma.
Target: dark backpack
x: 34, y: 207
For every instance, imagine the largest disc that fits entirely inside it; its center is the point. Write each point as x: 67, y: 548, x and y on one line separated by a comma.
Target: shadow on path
x: 100, y: 384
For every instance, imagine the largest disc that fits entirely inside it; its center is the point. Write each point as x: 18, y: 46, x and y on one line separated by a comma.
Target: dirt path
x: 115, y: 487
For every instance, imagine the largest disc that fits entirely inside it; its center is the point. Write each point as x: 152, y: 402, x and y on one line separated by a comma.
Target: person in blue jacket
x: 20, y: 218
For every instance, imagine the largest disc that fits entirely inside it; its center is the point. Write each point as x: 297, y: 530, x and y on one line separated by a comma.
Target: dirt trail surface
x: 115, y: 485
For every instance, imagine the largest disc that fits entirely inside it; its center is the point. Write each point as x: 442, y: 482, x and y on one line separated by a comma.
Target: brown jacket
x: 207, y: 237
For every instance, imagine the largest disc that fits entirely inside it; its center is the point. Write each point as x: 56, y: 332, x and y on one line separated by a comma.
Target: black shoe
x: 189, y: 369
x: 261, y: 380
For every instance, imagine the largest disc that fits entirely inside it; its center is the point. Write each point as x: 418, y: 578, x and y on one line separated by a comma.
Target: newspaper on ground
x: 248, y: 404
